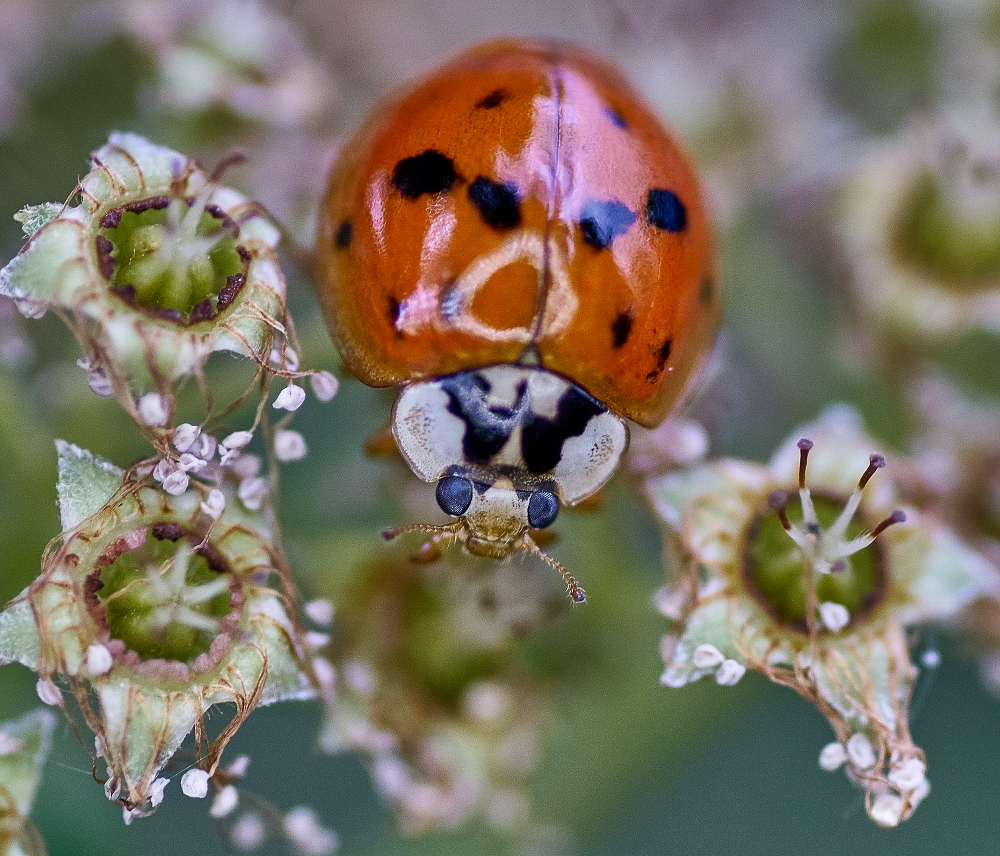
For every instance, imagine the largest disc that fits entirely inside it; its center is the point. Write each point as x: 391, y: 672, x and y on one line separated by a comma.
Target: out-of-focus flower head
x: 808, y: 571
x: 919, y: 228
x: 433, y: 690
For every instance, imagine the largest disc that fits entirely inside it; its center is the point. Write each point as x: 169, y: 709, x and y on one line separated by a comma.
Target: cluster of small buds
x: 818, y: 597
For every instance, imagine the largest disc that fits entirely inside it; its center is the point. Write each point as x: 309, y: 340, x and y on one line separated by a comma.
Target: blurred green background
x: 772, y: 97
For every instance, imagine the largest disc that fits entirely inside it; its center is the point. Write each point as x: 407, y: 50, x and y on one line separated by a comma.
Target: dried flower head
x: 150, y: 611
x: 155, y: 268
x: 808, y: 571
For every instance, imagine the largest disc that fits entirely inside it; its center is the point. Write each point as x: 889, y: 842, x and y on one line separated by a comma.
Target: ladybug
x: 518, y: 243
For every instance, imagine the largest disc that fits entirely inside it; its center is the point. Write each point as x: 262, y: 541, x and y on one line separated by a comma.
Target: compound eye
x: 454, y: 495
x: 542, y: 509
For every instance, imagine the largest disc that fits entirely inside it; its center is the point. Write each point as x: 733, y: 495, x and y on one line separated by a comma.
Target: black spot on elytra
x: 394, y: 307
x: 542, y: 439
x: 604, y: 220
x: 429, y: 172
x: 344, y: 234
x: 664, y: 210
x: 707, y: 293
x: 621, y: 327
x: 494, y: 99
x: 617, y: 119
x: 497, y: 203
x: 662, y: 357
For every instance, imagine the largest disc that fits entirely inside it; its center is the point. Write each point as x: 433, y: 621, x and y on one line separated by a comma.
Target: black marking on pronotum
x: 603, y: 220
x: 428, y: 172
x: 617, y: 119
x: 342, y: 237
x: 497, y: 203
x: 487, y: 429
x: 494, y: 99
x: 621, y: 327
x: 664, y: 210
x: 542, y: 439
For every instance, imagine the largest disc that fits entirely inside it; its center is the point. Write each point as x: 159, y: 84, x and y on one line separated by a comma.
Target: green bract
x: 24, y: 746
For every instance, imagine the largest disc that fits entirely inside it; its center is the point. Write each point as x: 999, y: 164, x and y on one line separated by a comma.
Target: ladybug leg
x: 573, y: 588
x: 382, y: 443
x: 431, y: 550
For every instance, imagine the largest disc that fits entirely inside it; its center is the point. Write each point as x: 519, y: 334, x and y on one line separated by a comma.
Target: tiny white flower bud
x: 669, y: 601
x: 285, y: 358
x: 887, y: 810
x: 225, y: 801
x: 246, y: 466
x: 252, y: 492
x: 176, y: 483
x: 707, y: 657
x: 191, y: 463
x: 909, y: 776
x: 205, y: 447
x: 358, y: 677
x: 834, y: 616
x: 185, y: 435
x: 238, y: 769
x: 324, y: 385
x: 289, y: 446
x: 48, y: 692
x: 729, y: 673
x: 154, y: 409
x: 130, y: 814
x: 99, y: 659
x: 290, y: 398
x: 10, y: 745
x: 98, y: 746
x: 325, y: 673
x: 100, y: 384
x: 931, y: 658
x: 307, y: 835
x: 861, y: 752
x: 668, y: 645
x: 319, y: 611
x: 314, y: 641
x: 237, y: 440
x: 215, y: 504
x: 194, y: 783
x: 248, y: 832
x: 112, y: 787
x: 156, y: 790
x: 164, y: 467
x: 832, y: 757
